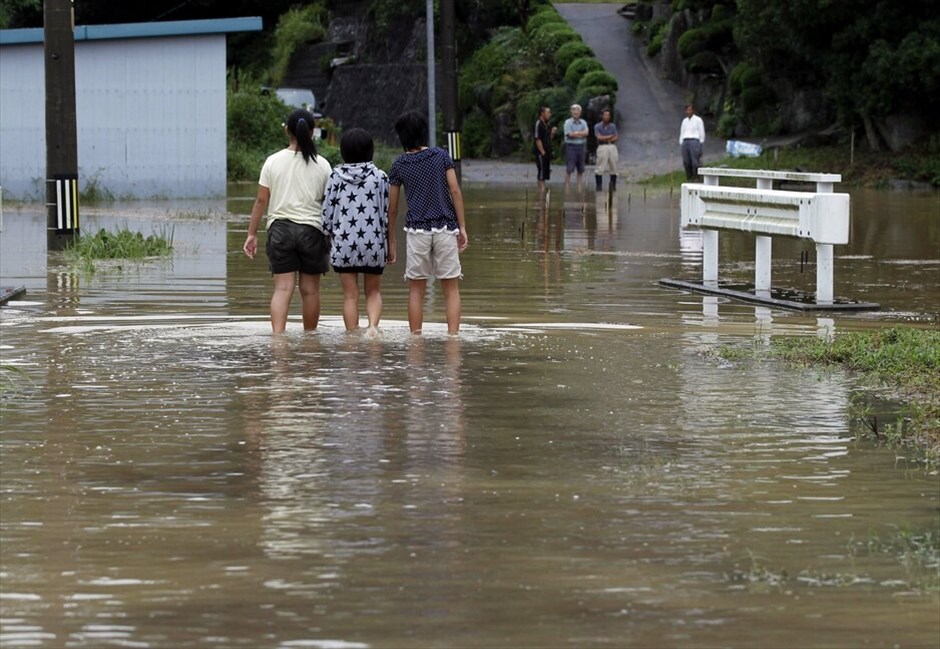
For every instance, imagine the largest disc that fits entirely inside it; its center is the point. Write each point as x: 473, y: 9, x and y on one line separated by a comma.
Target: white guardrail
x: 821, y: 216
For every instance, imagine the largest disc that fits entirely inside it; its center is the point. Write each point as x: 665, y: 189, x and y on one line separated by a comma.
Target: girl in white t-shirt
x: 290, y: 191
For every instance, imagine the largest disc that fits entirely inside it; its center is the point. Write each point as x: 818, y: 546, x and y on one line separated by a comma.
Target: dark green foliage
x: 545, y: 16
x: 254, y: 129
x: 703, y: 63
x: 871, y: 58
x: 547, y: 39
x: 755, y: 97
x: 477, y: 134
x: 295, y: 28
x: 20, y: 13
x: 598, y: 78
x: 743, y: 75
x: 570, y: 51
x: 712, y: 36
x: 579, y: 68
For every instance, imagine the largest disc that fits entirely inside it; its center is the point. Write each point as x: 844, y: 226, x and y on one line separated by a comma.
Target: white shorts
x: 432, y: 255
x: 606, y: 159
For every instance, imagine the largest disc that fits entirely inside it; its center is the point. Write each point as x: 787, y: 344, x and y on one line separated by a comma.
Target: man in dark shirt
x: 543, y: 145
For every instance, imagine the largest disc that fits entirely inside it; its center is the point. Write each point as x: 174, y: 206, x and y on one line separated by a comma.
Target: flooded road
x: 575, y: 470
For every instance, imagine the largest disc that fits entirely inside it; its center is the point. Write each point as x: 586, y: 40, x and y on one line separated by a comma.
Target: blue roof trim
x: 139, y: 30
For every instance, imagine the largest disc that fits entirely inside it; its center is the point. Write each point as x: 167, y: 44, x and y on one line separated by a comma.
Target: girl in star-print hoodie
x: 355, y: 217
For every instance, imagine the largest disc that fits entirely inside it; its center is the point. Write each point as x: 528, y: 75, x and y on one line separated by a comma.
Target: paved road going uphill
x: 649, y: 107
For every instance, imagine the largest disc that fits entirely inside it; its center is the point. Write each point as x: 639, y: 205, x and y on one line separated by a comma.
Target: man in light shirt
x: 576, y: 132
x: 691, y: 139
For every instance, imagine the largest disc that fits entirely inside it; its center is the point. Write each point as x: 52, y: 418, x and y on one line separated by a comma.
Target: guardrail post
x: 824, y: 273
x: 824, y: 260
x: 710, y: 246
x: 763, y: 256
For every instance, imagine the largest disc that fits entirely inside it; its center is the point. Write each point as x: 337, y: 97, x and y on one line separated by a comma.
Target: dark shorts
x: 293, y: 247
x: 366, y: 270
x: 544, y: 165
x: 574, y: 157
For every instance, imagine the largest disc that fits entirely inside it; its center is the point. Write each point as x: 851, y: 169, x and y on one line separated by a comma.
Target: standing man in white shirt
x: 691, y: 139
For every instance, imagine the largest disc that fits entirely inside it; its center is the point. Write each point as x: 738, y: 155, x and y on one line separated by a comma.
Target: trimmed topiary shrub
x: 579, y: 68
x: 703, y: 63
x: 543, y: 17
x: 570, y: 51
x: 692, y: 42
x: 546, y: 40
x: 598, y: 78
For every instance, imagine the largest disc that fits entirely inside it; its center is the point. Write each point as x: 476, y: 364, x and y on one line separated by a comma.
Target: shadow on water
x: 574, y: 470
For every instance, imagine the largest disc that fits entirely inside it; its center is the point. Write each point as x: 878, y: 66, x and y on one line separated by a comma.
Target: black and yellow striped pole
x: 61, y: 130
x: 449, y: 81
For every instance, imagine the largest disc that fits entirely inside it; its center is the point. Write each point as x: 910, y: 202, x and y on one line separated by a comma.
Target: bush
x: 483, y: 71
x: 756, y: 96
x: 548, y: 39
x: 477, y: 134
x: 587, y: 93
x: 692, y: 42
x: 546, y: 16
x: 570, y: 51
x: 294, y: 28
x: 579, y: 68
x: 703, y: 63
x: 744, y: 75
x: 726, y: 124
x: 598, y: 78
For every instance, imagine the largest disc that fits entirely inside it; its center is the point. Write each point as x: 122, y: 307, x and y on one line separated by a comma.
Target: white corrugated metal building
x: 150, y: 106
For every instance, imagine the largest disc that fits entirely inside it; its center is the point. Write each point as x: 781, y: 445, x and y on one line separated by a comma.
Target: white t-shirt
x: 296, y: 187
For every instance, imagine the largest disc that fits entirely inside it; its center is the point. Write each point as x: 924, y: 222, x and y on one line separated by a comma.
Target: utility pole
x: 61, y: 130
x: 432, y: 80
x: 449, y: 81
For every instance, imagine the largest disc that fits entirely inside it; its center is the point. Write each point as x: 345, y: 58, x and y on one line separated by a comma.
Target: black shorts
x: 544, y: 164
x: 293, y: 247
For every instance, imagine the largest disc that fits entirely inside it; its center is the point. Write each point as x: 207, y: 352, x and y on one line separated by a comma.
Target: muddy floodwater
x: 577, y: 469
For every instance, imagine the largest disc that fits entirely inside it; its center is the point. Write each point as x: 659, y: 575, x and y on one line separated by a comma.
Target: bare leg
x: 373, y: 299
x: 350, y: 282
x: 310, y: 297
x: 416, y: 290
x: 451, y: 289
x: 280, y: 301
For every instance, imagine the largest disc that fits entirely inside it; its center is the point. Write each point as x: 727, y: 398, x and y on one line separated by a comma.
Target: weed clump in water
x: 120, y: 244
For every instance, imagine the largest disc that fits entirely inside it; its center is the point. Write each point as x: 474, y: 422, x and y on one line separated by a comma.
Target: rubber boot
x: 599, y: 180
x: 613, y: 182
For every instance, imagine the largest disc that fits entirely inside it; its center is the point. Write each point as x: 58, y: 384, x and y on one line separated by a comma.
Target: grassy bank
x: 904, y: 361
x: 864, y: 168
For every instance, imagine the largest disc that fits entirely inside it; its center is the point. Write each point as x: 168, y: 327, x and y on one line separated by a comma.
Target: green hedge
x: 579, y: 68
x: 544, y: 17
x: 570, y: 51
x: 598, y: 78
x: 548, y: 39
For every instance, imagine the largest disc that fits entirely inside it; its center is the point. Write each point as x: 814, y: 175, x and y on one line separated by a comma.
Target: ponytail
x: 300, y: 125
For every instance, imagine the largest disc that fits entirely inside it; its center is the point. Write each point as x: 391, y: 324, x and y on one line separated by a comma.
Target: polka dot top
x: 423, y: 174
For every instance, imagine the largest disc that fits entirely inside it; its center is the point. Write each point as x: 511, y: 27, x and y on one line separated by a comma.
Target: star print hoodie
x: 355, y: 216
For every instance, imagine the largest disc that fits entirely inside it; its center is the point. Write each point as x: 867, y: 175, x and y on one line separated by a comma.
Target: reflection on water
x: 575, y: 470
